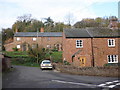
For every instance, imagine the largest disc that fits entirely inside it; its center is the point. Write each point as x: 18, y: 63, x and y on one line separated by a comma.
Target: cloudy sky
x: 56, y: 9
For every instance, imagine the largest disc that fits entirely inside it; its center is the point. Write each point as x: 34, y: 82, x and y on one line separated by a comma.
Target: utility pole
x: 37, y: 45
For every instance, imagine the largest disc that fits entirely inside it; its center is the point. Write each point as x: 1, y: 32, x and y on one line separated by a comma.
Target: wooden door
x: 82, y: 61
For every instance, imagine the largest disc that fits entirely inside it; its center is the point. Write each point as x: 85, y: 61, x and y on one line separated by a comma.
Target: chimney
x: 42, y: 30
x: 16, y: 30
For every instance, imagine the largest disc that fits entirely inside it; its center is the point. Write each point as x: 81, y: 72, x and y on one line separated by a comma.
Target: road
x: 33, y: 77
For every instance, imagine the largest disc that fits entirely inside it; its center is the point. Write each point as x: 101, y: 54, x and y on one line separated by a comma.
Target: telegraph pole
x: 37, y: 45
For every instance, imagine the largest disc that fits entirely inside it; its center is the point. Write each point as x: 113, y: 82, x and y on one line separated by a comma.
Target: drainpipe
x: 93, y: 62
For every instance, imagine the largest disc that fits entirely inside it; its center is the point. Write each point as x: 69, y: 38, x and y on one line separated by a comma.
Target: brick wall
x: 69, y: 48
x: 93, y: 49
x: 101, y: 50
x: 44, y: 41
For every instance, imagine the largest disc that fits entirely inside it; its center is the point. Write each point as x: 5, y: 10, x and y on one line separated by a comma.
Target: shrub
x: 112, y: 64
x: 38, y: 53
x: 66, y: 63
x: 15, y: 49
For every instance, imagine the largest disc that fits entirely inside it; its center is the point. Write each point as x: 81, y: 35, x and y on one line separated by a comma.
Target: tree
x: 27, y: 24
x: 39, y: 53
x: 58, y: 27
x: 49, y: 24
x: 22, y: 22
x: 34, y: 26
x: 69, y: 18
x: 97, y: 22
x: 7, y: 34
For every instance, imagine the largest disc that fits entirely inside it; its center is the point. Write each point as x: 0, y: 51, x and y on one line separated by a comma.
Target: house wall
x: 8, y: 47
x: 101, y: 50
x: 69, y: 48
x: 96, y: 48
x: 44, y: 41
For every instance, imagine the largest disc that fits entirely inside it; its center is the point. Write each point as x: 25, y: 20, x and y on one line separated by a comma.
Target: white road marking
x: 118, y: 84
x: 111, y: 86
x: 116, y: 81
x: 102, y: 85
x: 109, y: 82
x: 74, y: 83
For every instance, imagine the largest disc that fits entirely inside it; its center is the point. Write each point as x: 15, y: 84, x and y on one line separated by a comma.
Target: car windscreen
x: 46, y: 62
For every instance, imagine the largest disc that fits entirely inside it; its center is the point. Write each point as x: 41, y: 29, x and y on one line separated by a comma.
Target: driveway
x: 33, y: 77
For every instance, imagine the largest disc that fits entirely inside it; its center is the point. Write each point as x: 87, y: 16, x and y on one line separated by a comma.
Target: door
x: 82, y: 61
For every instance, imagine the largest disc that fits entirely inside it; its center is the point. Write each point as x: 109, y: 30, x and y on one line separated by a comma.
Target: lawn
x: 22, y: 58
x: 16, y: 54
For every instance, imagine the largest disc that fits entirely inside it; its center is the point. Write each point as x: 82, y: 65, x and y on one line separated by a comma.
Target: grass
x: 16, y: 54
x: 55, y: 56
x: 22, y: 58
x: 31, y: 64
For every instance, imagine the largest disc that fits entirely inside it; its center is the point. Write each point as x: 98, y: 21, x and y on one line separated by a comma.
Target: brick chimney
x: 16, y: 30
x: 42, y: 30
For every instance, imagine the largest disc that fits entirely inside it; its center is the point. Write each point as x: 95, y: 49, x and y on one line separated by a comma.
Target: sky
x: 58, y: 10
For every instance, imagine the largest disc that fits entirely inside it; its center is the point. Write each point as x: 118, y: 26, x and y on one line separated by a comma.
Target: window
x: 18, y: 46
x: 111, y: 42
x: 34, y: 46
x: 79, y: 44
x: 48, y: 46
x: 18, y: 39
x: 34, y: 39
x: 112, y: 58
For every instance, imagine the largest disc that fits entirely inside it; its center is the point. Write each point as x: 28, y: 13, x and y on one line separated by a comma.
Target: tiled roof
x: 39, y: 34
x: 91, y: 32
x: 103, y: 32
x: 76, y: 33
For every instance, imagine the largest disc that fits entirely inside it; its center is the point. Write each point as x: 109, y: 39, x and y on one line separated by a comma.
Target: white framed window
x: 48, y: 46
x: 111, y: 42
x: 34, y: 46
x: 34, y: 39
x: 18, y: 46
x: 112, y: 58
x: 79, y: 43
x: 18, y: 39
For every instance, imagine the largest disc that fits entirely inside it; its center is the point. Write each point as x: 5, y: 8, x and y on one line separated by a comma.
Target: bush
x: 54, y: 50
x: 25, y: 62
x: 112, y: 64
x: 15, y: 49
x: 66, y: 63
x: 57, y: 61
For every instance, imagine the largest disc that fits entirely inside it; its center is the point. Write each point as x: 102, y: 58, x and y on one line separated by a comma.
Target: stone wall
x: 6, y: 63
x: 90, y: 71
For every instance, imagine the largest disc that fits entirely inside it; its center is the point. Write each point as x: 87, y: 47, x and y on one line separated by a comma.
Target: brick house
x: 48, y: 40
x: 90, y: 47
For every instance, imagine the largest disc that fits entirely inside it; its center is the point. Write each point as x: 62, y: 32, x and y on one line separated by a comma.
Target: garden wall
x: 6, y: 63
x: 112, y: 71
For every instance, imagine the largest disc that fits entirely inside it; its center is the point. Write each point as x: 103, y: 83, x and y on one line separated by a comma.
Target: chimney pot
x: 42, y: 30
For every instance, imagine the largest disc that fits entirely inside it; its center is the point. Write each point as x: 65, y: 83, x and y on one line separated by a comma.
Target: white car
x: 46, y: 64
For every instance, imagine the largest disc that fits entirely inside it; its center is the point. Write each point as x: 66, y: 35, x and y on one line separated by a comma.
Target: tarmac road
x: 33, y: 77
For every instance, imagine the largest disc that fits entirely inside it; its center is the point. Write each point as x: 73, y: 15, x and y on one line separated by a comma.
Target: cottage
x: 48, y: 40
x: 91, y: 46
